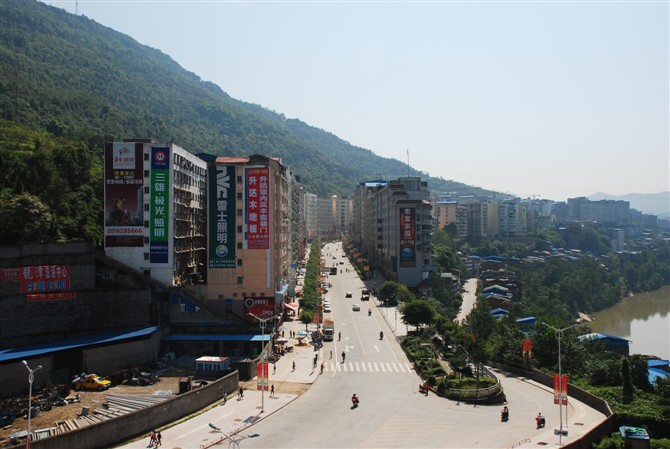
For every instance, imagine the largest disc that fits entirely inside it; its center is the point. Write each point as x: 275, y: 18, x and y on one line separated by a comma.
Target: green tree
x: 306, y: 318
x: 26, y: 219
x: 417, y: 312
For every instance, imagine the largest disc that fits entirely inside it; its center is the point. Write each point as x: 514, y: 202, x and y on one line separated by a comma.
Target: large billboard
x: 257, y: 207
x: 159, y: 208
x: 407, y: 236
x: 222, y: 230
x: 123, y: 195
x: 45, y: 282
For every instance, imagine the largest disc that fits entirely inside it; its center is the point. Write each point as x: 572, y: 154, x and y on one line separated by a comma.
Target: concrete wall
x: 14, y: 376
x: 141, y: 422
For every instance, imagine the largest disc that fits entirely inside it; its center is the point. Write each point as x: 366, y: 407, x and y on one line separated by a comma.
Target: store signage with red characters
x: 407, y: 237
x: 261, y: 307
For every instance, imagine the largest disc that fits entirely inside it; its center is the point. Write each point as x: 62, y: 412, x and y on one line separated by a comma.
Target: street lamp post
x: 232, y: 441
x: 31, y: 379
x: 559, y: 336
x: 263, y: 322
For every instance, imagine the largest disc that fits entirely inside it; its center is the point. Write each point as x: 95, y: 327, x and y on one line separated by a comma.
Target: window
x: 239, y: 212
x: 240, y: 279
x: 146, y: 256
x: 239, y: 195
x: 239, y: 180
x: 146, y: 190
x: 239, y: 245
x: 239, y: 262
x: 239, y: 229
x: 146, y: 207
x: 146, y: 156
x: 146, y: 223
x: 146, y: 173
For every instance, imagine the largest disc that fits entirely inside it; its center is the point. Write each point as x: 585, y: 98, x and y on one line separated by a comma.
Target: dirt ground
x: 96, y: 399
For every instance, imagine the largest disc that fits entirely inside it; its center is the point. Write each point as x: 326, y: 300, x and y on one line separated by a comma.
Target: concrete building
x: 311, y: 209
x: 394, y: 227
x: 611, y: 212
x: 254, y: 210
x: 452, y: 212
x: 155, y: 210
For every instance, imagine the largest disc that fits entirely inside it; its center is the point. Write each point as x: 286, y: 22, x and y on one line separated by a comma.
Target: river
x: 643, y: 318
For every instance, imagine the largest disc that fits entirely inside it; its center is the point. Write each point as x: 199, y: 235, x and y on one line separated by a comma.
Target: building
x: 155, y: 210
x: 310, y: 209
x: 393, y: 228
x: 610, y: 212
x: 254, y: 210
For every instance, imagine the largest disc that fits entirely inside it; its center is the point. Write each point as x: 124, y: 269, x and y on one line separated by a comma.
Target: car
x: 356, y: 308
x: 327, y: 309
x: 348, y: 295
x: 91, y: 382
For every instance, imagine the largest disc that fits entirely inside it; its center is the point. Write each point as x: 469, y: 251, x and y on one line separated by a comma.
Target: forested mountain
x: 77, y: 79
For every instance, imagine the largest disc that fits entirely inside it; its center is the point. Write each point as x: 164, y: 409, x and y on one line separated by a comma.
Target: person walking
x: 294, y: 365
x: 331, y: 355
x: 272, y: 390
x: 321, y: 367
x: 159, y: 437
x: 344, y: 355
x: 152, y: 438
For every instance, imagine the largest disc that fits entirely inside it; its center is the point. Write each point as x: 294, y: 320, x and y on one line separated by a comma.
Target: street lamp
x: 231, y: 441
x: 31, y: 379
x: 263, y: 322
x: 559, y: 336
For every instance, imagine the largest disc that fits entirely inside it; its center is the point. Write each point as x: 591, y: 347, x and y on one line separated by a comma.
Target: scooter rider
x: 381, y: 335
x: 369, y: 312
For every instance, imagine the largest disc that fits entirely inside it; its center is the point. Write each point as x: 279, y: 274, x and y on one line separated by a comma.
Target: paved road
x: 392, y: 413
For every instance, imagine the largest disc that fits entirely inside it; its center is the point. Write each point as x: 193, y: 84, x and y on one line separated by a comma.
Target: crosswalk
x: 368, y: 367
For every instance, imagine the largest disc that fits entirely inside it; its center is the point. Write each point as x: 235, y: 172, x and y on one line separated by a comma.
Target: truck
x: 328, y: 330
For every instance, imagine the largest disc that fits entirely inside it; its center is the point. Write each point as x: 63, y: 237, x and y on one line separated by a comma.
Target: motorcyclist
x: 354, y: 401
x: 539, y: 420
x: 369, y: 312
x: 381, y: 335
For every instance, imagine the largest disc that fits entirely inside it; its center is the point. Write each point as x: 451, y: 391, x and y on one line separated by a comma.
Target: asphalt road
x: 392, y: 412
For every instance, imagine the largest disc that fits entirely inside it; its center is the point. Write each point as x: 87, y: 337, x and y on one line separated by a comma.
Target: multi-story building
x: 452, y: 212
x: 310, y: 210
x: 612, y: 212
x: 253, y: 209
x: 155, y: 210
x: 394, y: 227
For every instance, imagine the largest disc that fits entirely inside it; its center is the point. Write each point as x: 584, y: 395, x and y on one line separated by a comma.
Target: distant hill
x: 649, y: 203
x: 77, y: 79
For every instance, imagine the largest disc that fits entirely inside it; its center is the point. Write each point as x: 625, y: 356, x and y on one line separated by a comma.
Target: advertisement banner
x: 222, y: 198
x: 263, y: 375
x: 261, y: 307
x: 561, y: 389
x: 159, y: 208
x: 257, y: 207
x: 407, y: 236
x: 123, y: 195
x: 44, y: 279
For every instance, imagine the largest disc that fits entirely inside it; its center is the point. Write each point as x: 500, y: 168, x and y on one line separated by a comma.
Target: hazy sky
x: 553, y: 99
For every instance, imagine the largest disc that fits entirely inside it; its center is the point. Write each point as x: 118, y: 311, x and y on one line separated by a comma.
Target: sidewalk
x: 235, y: 416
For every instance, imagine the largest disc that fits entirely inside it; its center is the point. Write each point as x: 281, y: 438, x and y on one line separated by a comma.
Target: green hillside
x: 67, y: 80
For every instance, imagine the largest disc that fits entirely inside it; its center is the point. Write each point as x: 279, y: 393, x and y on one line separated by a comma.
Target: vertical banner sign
x: 222, y: 216
x: 262, y: 375
x: 123, y: 195
x: 561, y: 389
x: 159, y: 210
x: 407, y: 236
x: 257, y: 214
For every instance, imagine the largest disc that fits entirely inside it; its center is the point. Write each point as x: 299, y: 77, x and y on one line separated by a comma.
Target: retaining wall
x: 141, y: 422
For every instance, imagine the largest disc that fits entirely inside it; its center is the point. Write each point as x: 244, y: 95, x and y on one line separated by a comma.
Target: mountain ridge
x: 78, y: 79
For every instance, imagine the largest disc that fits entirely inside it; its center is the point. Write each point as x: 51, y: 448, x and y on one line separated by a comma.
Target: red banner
x: 44, y: 278
x: 561, y: 389
x: 262, y: 375
x: 257, y: 207
x: 261, y: 307
x: 527, y: 347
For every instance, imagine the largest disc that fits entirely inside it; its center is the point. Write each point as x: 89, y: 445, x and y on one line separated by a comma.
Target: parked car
x: 327, y: 309
x: 356, y: 308
x: 91, y: 382
x: 348, y: 295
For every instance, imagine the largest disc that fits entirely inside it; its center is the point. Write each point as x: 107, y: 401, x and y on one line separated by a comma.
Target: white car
x: 356, y: 308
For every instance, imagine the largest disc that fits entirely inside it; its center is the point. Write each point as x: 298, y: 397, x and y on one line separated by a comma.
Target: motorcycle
x: 354, y: 401
x: 539, y: 420
x: 424, y: 388
x: 504, y: 415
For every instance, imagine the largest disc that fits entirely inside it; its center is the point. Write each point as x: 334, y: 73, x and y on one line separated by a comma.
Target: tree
x: 391, y: 292
x: 417, y: 312
x: 26, y: 219
x: 306, y: 318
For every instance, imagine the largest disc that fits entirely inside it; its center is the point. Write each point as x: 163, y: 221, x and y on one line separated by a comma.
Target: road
x: 392, y: 413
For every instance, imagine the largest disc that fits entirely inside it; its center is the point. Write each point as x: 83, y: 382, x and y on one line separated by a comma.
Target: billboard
x: 159, y: 208
x: 262, y: 307
x: 257, y: 207
x: 407, y: 236
x: 45, y: 282
x: 222, y: 216
x: 123, y: 195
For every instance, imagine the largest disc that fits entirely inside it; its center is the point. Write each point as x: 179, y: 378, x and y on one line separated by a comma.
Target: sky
x: 545, y: 99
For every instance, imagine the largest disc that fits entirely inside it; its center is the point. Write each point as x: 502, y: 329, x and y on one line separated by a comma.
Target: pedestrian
x: 225, y: 397
x: 274, y: 368
x: 331, y: 355
x: 272, y: 390
x: 159, y: 437
x: 282, y: 334
x: 321, y: 367
x: 339, y: 336
x: 294, y: 365
x: 152, y: 438
x: 240, y: 393
x: 343, y: 356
